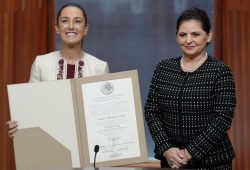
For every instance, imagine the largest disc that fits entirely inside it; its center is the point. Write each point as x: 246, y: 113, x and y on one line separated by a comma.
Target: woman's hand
x: 186, y: 154
x: 175, y: 157
x: 11, y: 127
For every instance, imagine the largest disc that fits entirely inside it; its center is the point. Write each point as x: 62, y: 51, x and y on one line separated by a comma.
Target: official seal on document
x: 107, y: 88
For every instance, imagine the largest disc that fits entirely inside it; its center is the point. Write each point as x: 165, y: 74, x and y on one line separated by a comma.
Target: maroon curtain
x: 26, y: 28
x: 232, y: 44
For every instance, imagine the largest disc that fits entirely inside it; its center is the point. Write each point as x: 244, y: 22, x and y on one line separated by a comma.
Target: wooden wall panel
x: 27, y: 30
x: 233, y: 45
x: 238, y: 59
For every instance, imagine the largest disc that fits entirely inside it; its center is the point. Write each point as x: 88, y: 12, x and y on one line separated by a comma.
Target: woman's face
x: 192, y: 39
x: 72, y: 26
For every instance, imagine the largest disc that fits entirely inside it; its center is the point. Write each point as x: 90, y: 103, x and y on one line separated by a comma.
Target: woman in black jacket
x: 191, y: 101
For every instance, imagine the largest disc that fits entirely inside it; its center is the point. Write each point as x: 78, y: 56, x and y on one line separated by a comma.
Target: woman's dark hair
x: 196, y: 14
x: 72, y: 5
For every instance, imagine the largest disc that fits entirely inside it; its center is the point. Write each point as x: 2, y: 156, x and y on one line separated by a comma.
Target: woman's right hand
x: 175, y: 157
x: 11, y: 127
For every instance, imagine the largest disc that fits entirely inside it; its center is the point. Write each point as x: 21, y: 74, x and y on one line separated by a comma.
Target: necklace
x: 62, y: 70
x: 196, y: 66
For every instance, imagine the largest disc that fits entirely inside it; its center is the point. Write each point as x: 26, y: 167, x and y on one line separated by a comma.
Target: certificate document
x: 110, y: 119
x: 110, y: 115
x: 70, y: 117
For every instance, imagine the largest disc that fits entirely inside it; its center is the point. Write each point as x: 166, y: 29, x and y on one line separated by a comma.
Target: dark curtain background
x: 135, y: 34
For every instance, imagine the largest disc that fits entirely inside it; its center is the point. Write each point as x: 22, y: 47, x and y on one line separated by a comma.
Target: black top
x: 192, y: 110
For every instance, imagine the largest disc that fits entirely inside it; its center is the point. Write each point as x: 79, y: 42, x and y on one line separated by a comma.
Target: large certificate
x: 69, y: 118
x: 111, y: 117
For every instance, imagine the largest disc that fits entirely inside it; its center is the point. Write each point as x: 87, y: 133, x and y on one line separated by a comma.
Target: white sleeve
x: 106, y: 68
x: 35, y: 72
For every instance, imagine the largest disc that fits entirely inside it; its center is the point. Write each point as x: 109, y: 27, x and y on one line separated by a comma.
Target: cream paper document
x: 111, y: 119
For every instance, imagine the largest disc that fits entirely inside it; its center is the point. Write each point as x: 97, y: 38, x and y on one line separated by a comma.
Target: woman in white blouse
x: 69, y: 62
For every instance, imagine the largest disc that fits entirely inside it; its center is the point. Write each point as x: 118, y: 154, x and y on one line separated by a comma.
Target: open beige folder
x: 60, y: 122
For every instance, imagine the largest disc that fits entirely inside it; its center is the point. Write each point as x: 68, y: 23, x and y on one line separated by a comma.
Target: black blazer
x: 192, y: 110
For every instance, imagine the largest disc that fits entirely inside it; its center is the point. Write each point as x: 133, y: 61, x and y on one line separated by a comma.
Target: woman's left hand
x: 175, y: 157
x: 186, y: 154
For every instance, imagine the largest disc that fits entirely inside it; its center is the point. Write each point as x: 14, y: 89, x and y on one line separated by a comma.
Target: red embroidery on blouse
x: 63, y: 70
